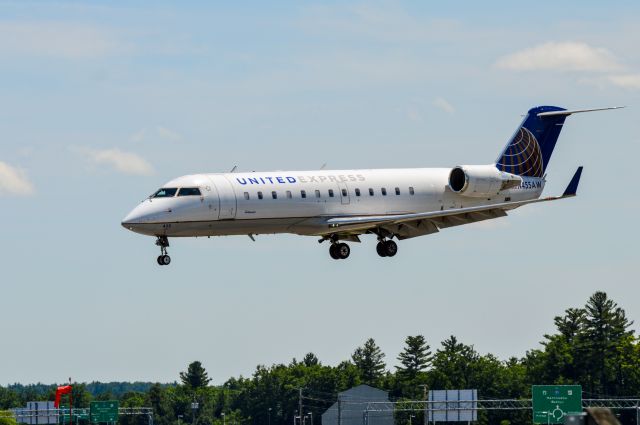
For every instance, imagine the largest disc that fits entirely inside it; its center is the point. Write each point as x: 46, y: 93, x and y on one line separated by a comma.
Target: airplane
x: 339, y: 206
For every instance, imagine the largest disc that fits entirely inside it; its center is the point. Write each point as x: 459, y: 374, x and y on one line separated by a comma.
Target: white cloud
x: 160, y: 132
x: 563, y: 56
x: 441, y: 103
x: 58, y: 39
x: 124, y: 162
x: 139, y: 136
x: 627, y: 81
x: 166, y: 134
x: 14, y: 181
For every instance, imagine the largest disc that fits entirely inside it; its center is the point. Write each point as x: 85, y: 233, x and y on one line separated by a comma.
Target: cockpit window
x: 165, y: 192
x: 189, y: 191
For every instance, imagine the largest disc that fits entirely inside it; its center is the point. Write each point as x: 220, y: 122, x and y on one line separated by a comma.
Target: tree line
x: 593, y: 346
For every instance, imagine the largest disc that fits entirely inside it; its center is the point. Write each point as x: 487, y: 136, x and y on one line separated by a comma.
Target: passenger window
x: 317, y: 193
x: 165, y: 193
x: 357, y: 192
x: 344, y: 192
x: 246, y: 196
x: 330, y: 193
x: 384, y: 191
x: 189, y: 191
x: 370, y: 192
x: 274, y: 195
x: 397, y: 191
x: 259, y: 195
x: 303, y: 194
x: 289, y: 194
x: 411, y: 191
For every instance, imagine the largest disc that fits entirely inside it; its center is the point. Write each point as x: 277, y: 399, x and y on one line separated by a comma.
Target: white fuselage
x: 299, y: 202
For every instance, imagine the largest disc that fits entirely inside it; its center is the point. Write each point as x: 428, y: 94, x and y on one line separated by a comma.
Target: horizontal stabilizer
x: 572, y: 188
x: 575, y: 111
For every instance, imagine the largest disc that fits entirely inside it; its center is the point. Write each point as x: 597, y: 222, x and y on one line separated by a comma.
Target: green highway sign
x: 103, y: 411
x: 551, y: 403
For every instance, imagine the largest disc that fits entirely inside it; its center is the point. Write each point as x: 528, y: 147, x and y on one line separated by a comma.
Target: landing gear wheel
x: 343, y: 251
x: 390, y: 248
x: 163, y: 243
x: 380, y: 249
x: 333, y: 251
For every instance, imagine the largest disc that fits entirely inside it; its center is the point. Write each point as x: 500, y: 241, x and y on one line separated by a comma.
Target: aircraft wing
x: 422, y: 223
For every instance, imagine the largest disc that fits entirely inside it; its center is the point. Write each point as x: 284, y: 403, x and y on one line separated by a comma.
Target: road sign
x: 452, y: 406
x: 103, y: 411
x: 552, y: 402
x: 78, y: 414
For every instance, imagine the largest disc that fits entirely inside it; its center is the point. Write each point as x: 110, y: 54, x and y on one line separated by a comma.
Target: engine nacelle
x: 481, y: 180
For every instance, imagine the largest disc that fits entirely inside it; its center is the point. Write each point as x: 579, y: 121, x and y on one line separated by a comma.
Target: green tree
x: 195, y: 377
x: 453, y: 365
x: 6, y: 418
x: 415, y: 357
x: 310, y: 359
x: 606, y: 328
x: 369, y: 361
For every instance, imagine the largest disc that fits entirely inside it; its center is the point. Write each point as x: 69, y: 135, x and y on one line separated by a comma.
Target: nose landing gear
x: 163, y: 258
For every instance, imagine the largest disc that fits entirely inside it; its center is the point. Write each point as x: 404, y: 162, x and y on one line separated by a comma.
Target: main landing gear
x: 163, y: 258
x: 386, y: 248
x: 339, y: 251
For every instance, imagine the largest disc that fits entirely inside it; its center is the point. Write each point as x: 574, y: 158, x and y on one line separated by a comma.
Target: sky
x: 103, y: 102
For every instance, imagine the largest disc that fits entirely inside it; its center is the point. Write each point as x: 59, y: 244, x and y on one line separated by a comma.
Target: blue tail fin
x: 529, y: 150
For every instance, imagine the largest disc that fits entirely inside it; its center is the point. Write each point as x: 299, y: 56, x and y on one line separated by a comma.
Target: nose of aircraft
x: 136, y: 216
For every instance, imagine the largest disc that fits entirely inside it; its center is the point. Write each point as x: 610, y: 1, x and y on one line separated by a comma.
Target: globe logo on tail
x: 522, y: 156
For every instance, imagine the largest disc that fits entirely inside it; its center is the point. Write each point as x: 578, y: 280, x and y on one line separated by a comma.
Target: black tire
x: 380, y: 249
x: 166, y: 260
x: 333, y: 251
x: 390, y: 248
x: 159, y: 260
x: 343, y: 251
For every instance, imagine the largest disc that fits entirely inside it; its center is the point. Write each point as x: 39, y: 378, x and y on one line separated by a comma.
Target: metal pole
x: 70, y: 404
x: 269, y: 413
x: 425, y: 394
x: 300, y: 405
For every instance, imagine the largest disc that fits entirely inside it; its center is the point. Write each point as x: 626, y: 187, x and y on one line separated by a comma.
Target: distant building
x: 353, y: 408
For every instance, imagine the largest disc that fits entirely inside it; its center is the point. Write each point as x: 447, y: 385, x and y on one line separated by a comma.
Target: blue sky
x: 104, y: 102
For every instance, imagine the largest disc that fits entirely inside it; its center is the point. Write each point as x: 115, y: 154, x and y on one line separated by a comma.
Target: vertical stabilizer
x: 529, y: 150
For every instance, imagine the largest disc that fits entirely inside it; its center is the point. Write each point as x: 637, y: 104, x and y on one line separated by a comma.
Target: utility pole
x: 70, y: 404
x: 425, y: 389
x: 300, y: 404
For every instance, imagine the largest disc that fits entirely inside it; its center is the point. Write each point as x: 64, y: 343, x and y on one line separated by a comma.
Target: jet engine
x: 481, y: 181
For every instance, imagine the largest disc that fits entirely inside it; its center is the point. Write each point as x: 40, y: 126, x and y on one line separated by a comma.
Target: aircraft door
x: 227, y: 197
x: 344, y: 193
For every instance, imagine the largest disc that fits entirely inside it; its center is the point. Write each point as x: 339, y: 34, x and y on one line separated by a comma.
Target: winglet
x: 572, y: 188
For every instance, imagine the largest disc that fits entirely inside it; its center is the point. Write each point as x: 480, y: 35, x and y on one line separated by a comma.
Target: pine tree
x: 415, y: 358
x: 369, y: 361
x: 605, y: 329
x: 195, y: 377
x: 310, y: 359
